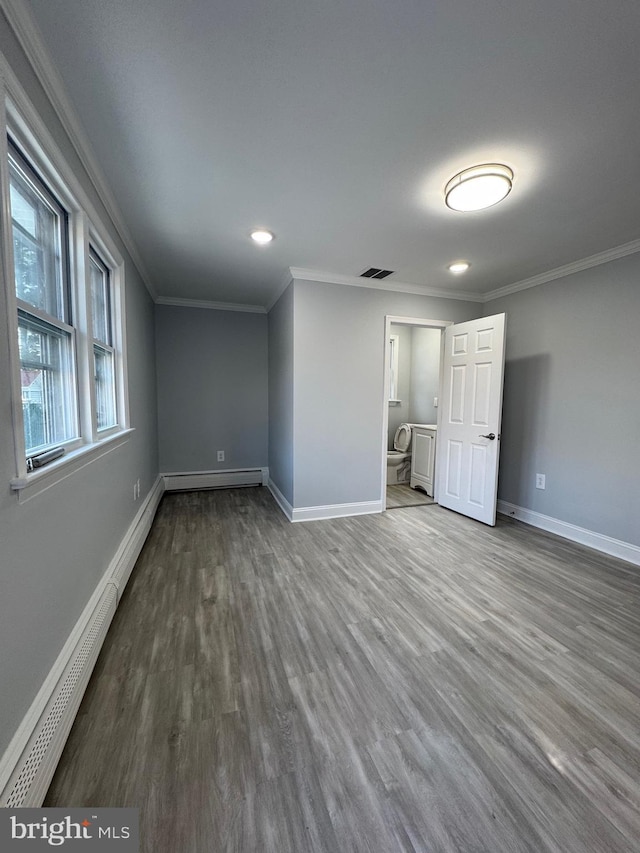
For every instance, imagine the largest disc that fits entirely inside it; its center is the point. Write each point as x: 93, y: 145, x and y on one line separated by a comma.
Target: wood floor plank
x: 412, y: 681
x: 403, y: 495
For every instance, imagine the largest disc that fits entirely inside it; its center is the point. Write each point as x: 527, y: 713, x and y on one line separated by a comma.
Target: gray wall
x: 399, y: 414
x: 281, y: 394
x: 339, y: 385
x: 56, y: 547
x: 572, y: 399
x: 212, y: 388
x: 425, y: 374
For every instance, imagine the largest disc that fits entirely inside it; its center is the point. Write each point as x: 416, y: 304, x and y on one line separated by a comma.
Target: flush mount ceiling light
x: 478, y: 187
x: 458, y: 266
x: 261, y: 236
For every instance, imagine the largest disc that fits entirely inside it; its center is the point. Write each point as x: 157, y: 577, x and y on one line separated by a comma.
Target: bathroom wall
x: 399, y: 412
x: 419, y: 377
x: 425, y: 374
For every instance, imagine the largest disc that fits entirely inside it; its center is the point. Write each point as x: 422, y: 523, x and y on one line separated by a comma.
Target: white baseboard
x: 280, y: 499
x: 597, y: 541
x: 125, y: 557
x: 318, y: 513
x: 28, y: 765
x: 189, y: 481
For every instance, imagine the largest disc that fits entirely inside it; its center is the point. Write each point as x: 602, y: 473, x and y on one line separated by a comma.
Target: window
x: 45, y: 330
x: 103, y: 351
x: 46, y: 369
x: 394, y: 348
x: 65, y: 283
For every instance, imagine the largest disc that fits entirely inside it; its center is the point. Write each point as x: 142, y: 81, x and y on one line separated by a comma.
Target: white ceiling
x: 337, y: 123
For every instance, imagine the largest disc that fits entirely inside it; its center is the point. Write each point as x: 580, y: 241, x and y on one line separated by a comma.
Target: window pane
x: 46, y: 378
x: 30, y: 272
x: 39, y: 232
x: 105, y: 388
x: 393, y: 368
x: 100, y: 302
x: 23, y: 211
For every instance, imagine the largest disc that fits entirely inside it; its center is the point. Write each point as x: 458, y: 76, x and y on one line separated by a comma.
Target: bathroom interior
x: 414, y: 366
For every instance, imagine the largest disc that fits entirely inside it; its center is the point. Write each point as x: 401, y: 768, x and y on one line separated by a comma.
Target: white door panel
x: 469, y: 433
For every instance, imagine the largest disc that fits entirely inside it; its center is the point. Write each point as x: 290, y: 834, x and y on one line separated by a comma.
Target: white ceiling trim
x: 383, y: 284
x: 568, y: 269
x: 213, y: 306
x: 25, y: 28
x: 284, y: 284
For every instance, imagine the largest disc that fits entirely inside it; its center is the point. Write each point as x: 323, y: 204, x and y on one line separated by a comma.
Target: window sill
x: 35, y: 482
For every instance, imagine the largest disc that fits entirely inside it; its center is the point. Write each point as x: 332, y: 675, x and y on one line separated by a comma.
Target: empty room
x: 320, y: 416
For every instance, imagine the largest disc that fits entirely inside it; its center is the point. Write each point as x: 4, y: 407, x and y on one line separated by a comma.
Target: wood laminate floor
x: 401, y: 495
x: 406, y: 682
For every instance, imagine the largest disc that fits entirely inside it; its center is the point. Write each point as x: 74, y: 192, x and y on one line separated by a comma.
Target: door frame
x: 405, y: 321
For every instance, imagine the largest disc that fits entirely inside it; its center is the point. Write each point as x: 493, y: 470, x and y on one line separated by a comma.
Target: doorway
x: 467, y: 452
x: 412, y: 381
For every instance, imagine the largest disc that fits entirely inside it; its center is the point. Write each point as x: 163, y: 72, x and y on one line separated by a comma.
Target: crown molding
x: 568, y: 269
x: 284, y: 284
x: 23, y: 24
x: 213, y: 306
x: 383, y: 284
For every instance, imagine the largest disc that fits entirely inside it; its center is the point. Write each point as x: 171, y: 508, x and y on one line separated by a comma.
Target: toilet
x: 399, y: 459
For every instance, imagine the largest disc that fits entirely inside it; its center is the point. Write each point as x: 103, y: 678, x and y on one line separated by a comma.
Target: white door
x: 471, y: 410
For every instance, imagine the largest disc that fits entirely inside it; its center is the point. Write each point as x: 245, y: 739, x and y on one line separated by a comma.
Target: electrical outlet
x: 221, y: 456
x: 541, y: 481
x: 435, y: 402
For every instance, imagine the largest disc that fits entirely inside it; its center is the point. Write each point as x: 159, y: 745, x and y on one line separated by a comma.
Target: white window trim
x: 32, y: 483
x: 109, y: 254
x: 20, y: 118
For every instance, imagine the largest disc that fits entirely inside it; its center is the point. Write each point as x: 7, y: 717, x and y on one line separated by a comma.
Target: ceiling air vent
x: 374, y: 272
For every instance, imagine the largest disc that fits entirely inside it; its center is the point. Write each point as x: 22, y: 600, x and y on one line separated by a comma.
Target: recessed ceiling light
x: 478, y: 187
x: 459, y: 266
x: 261, y: 236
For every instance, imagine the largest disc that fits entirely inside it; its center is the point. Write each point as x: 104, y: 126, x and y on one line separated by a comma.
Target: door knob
x: 491, y: 436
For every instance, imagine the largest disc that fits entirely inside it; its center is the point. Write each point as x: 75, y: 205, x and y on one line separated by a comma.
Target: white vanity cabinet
x: 423, y: 456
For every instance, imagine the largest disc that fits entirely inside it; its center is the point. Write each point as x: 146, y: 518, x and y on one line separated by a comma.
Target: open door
x: 468, y: 447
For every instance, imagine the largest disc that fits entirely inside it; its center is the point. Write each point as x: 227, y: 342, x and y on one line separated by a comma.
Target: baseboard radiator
x: 28, y: 765
x: 35, y: 767
x: 195, y: 480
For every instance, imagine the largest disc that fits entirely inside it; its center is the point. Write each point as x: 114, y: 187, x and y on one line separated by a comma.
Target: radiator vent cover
x: 374, y: 272
x: 35, y: 770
